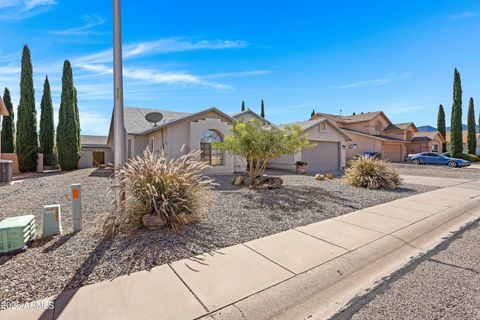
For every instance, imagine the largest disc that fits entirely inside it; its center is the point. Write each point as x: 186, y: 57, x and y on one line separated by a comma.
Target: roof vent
x: 353, y: 113
x: 154, y: 117
x: 361, y: 112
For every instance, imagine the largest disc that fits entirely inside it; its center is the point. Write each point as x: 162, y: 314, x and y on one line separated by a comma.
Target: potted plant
x: 301, y: 167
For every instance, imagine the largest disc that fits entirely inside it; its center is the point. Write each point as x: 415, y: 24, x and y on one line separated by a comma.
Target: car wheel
x: 416, y: 161
x: 452, y: 164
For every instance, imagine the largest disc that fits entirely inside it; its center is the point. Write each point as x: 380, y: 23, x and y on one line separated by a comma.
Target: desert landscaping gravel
x: 437, y: 171
x: 234, y: 216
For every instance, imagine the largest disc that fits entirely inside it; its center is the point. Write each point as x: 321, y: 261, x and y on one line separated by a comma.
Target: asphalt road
x: 443, y: 284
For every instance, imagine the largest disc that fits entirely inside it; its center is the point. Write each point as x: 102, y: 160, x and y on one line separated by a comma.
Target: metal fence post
x: 76, y: 206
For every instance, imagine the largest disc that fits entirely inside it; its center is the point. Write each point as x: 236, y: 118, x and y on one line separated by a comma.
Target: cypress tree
x: 441, y: 126
x: 8, y: 125
x: 243, y: 105
x: 262, y: 111
x: 456, y: 142
x: 471, y: 130
x: 77, y: 117
x: 312, y: 114
x: 47, y: 129
x: 67, y: 136
x: 27, y: 137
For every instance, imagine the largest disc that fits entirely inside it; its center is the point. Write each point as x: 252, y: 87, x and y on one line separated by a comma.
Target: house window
x: 322, y: 126
x: 129, y: 148
x: 152, y: 144
x: 210, y: 155
x: 435, y: 148
x: 409, y: 135
x: 352, y: 146
x: 378, y: 126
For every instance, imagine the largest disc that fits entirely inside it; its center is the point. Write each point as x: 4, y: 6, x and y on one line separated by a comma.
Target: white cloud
x: 392, y: 76
x: 153, y: 76
x: 366, y: 83
x: 161, y: 46
x: 237, y: 74
x: 8, y: 3
x: 24, y: 9
x: 462, y: 15
x: 90, y: 22
x: 30, y: 4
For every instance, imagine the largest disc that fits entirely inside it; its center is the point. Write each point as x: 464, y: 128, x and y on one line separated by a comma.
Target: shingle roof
x: 135, y: 122
x: 421, y: 139
x: 238, y: 116
x: 366, y: 116
x: 304, y: 124
x: 404, y: 125
x: 100, y: 141
x: 386, y: 138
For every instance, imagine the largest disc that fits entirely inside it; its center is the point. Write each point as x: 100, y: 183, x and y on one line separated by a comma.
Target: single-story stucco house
x: 94, y: 151
x: 178, y: 133
x: 197, y: 131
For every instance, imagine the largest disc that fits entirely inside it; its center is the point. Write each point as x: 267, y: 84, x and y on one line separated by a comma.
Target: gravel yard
x: 235, y: 216
x: 437, y: 171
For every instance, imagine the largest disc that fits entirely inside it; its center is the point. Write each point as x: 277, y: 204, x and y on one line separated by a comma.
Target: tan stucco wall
x: 364, y: 144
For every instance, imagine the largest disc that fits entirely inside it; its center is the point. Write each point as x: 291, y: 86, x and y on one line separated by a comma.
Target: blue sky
x: 296, y: 55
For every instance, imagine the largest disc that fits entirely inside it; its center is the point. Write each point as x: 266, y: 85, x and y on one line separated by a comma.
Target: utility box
x: 52, y: 224
x: 16, y: 232
x: 76, y: 190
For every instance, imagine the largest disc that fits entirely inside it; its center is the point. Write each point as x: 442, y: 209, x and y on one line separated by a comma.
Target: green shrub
x: 469, y: 157
x: 175, y: 189
x: 371, y: 173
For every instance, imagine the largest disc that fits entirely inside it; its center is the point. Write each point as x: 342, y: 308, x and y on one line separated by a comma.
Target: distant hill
x: 430, y: 128
x: 426, y: 129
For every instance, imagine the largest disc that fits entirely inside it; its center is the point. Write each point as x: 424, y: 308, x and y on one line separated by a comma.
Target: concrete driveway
x: 440, y: 182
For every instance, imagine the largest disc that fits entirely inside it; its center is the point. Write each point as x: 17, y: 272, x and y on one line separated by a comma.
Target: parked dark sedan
x: 435, y: 158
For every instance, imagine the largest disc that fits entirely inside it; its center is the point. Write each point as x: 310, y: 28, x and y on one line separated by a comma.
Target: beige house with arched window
x: 177, y: 134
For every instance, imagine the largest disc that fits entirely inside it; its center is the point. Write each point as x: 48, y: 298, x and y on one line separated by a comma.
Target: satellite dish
x: 154, y: 117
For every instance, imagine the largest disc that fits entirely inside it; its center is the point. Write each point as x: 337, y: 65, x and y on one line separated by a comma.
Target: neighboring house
x: 94, y: 151
x: 177, y: 134
x: 327, y: 152
x: 426, y: 142
x: 248, y: 115
x: 374, y: 132
x: 464, y: 140
x: 3, y: 112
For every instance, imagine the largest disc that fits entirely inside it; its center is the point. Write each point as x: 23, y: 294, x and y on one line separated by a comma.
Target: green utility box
x: 16, y: 232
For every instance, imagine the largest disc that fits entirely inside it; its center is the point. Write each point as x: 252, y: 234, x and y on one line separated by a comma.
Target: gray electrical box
x: 52, y: 224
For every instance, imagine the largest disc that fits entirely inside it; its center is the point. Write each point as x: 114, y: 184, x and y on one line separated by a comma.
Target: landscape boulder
x: 268, y: 182
x: 239, y: 181
x: 319, y: 177
x: 153, y: 222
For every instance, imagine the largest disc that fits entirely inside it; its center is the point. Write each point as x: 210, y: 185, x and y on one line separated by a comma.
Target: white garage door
x: 325, y: 156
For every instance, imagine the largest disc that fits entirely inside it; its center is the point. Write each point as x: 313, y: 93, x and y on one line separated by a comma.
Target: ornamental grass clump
x: 372, y: 173
x: 175, y: 190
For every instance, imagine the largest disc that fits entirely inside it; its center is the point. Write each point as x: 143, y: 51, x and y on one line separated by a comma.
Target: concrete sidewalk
x: 307, y: 271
